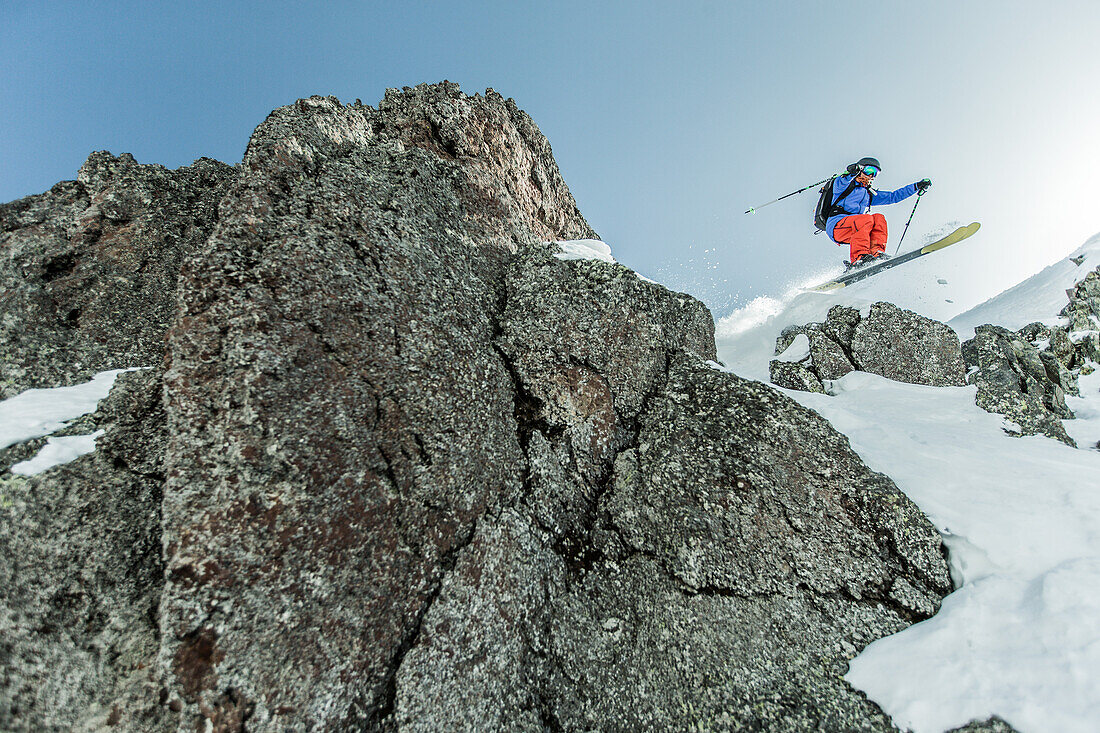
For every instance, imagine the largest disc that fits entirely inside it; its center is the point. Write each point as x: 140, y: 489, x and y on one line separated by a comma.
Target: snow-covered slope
x: 1020, y: 638
x: 1039, y: 298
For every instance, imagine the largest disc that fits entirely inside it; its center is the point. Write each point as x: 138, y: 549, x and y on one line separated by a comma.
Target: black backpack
x: 825, y: 206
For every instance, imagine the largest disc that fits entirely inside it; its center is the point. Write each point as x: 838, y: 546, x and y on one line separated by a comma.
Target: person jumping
x: 852, y: 196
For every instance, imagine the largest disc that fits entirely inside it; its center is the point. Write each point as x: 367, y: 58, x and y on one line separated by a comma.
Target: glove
x: 853, y: 169
x: 923, y: 185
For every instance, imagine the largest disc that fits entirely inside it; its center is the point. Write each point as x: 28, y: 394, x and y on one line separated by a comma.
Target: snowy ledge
x: 584, y: 249
x: 57, y: 452
x: 38, y: 412
x: 590, y: 249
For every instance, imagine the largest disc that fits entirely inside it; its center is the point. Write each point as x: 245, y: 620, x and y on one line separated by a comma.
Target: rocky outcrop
x: 340, y: 419
x: 891, y: 342
x: 1083, y: 309
x: 1026, y: 375
x: 405, y: 469
x: 669, y: 512
x: 907, y: 347
x: 88, y: 281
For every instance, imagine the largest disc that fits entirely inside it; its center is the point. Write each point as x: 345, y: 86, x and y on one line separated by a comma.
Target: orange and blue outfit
x: 864, y: 233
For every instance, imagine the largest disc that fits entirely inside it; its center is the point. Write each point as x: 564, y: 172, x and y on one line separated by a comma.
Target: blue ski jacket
x: 860, y: 199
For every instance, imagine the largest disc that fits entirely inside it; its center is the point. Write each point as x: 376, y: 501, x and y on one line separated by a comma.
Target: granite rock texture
x: 340, y: 419
x: 891, y: 342
x: 1083, y: 309
x: 89, y: 268
x: 907, y: 347
x: 794, y: 375
x: 1015, y: 379
x: 735, y: 555
x: 81, y: 573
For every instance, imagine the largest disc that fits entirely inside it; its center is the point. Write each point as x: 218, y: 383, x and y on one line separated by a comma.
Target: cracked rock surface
x: 340, y: 420
x: 690, y: 548
x: 891, y: 342
x: 1025, y: 384
x: 404, y: 469
x: 738, y: 555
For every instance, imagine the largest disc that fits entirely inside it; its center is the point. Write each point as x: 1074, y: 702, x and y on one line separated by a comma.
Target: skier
x: 850, y: 223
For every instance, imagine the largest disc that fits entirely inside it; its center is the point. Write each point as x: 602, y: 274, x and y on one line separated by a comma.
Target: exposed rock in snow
x: 840, y: 325
x: 907, y: 347
x: 794, y: 375
x: 1012, y: 380
x: 795, y: 367
x: 891, y: 342
x: 1083, y: 310
x: 81, y: 573
x: 1026, y: 375
x: 830, y: 359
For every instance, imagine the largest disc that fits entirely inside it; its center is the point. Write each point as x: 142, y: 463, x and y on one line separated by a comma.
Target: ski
x: 860, y: 273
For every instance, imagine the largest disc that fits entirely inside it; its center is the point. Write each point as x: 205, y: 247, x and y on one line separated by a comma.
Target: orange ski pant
x: 864, y: 233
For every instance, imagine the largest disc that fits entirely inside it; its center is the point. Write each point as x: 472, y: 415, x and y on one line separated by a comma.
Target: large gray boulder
x: 894, y: 343
x: 907, y: 347
x: 588, y: 343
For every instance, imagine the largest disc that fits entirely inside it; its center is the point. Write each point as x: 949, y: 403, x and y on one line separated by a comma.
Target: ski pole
x: 907, y: 223
x: 792, y: 193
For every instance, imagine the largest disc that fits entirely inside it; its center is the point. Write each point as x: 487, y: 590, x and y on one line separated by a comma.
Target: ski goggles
x: 870, y: 170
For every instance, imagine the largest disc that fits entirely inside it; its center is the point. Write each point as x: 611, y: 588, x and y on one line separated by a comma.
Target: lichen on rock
x: 891, y: 342
x: 89, y: 280
x: 1015, y: 379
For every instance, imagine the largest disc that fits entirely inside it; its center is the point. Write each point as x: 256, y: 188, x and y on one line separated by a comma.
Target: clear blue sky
x: 667, y: 119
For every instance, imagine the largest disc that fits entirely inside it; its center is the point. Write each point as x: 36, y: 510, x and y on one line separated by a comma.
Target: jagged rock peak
x: 489, y: 134
x: 90, y: 267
